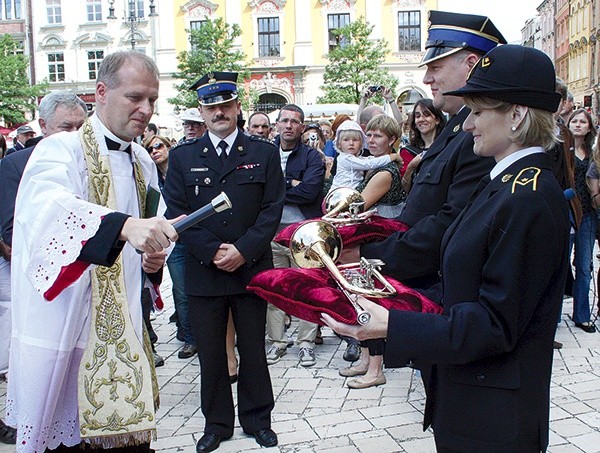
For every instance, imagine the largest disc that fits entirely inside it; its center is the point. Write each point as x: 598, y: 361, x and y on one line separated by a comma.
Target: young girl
x: 350, y: 141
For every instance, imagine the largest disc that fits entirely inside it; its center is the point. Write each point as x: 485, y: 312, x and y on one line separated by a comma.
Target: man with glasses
x: 304, y: 171
x: 193, y: 124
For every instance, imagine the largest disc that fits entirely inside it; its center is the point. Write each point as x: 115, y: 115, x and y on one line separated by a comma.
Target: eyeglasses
x: 292, y: 121
x: 193, y: 124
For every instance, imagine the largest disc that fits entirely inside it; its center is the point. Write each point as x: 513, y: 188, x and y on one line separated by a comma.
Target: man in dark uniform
x: 449, y: 170
x: 224, y: 254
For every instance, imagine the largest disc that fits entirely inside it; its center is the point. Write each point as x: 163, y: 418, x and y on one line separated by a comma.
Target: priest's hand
x: 149, y: 235
x: 375, y: 328
x: 228, y: 258
x: 153, y: 262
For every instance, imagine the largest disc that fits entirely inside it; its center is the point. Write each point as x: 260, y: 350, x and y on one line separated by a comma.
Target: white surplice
x: 52, y: 220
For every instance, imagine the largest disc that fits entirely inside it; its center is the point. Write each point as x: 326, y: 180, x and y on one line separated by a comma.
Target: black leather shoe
x: 265, y: 437
x: 209, y: 442
x: 587, y: 327
x: 352, y: 353
x: 8, y: 435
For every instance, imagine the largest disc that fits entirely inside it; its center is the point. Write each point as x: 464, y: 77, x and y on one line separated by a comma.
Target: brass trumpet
x: 345, y: 206
x: 318, y: 243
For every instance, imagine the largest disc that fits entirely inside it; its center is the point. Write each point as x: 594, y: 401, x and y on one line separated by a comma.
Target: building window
x: 56, y: 67
x: 409, y: 31
x: 335, y: 21
x: 95, y: 57
x: 53, y: 11
x: 11, y: 10
x: 94, y: 10
x: 196, y: 25
x: 136, y: 8
x: 268, y: 37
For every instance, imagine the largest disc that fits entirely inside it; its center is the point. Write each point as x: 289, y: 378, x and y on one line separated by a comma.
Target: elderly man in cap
x: 193, y: 124
x: 224, y: 254
x: 24, y: 133
x: 449, y: 170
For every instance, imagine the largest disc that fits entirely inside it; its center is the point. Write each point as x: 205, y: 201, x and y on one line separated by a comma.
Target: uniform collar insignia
x: 506, y: 177
x: 205, y: 150
x: 456, y: 128
x: 240, y: 148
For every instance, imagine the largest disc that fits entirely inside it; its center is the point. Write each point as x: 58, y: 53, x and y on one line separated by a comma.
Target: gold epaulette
x: 526, y: 177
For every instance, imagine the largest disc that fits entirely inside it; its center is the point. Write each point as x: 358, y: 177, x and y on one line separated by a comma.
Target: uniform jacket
x: 253, y: 181
x: 503, y: 274
x: 444, y: 181
x: 304, y: 164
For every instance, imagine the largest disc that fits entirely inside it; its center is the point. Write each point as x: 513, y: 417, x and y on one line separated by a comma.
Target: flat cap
x: 24, y: 129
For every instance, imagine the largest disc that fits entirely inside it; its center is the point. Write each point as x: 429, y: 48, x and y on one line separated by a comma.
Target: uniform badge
x: 205, y: 150
x: 485, y: 62
x: 206, y: 180
x: 456, y: 128
x: 506, y: 178
x: 240, y: 148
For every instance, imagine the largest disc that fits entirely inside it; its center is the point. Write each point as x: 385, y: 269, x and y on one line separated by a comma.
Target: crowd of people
x: 497, y: 180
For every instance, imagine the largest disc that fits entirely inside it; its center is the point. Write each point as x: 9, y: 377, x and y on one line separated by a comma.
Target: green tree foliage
x: 212, y: 49
x: 17, y: 96
x: 356, y: 63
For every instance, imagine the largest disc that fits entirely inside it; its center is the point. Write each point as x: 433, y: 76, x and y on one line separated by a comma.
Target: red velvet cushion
x: 306, y: 293
x: 377, y: 229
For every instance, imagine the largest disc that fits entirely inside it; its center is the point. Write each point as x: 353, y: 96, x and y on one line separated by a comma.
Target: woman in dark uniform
x: 489, y: 355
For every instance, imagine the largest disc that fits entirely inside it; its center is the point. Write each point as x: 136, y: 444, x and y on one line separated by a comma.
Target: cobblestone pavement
x: 316, y: 412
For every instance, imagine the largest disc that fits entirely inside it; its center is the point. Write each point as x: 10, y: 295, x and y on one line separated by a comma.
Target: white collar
x: 230, y: 139
x: 123, y: 144
x: 512, y: 158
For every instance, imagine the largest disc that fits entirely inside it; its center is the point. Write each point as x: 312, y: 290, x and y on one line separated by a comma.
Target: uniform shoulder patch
x: 186, y: 142
x: 527, y: 178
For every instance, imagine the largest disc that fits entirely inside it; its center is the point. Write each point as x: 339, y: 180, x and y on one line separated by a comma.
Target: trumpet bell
x: 313, y: 238
x: 345, y: 206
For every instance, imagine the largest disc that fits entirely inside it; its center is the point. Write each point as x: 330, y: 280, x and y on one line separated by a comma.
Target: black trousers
x: 208, y: 319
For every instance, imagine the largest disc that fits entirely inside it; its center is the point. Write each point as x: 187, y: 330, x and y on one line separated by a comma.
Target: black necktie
x: 223, y: 147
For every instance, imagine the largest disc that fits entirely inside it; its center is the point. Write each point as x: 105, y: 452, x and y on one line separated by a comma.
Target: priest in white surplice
x: 79, y: 360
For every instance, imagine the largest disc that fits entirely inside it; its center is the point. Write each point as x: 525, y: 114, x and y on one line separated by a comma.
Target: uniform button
x: 222, y: 181
x: 481, y: 377
x: 251, y: 178
x: 427, y: 175
x: 224, y: 222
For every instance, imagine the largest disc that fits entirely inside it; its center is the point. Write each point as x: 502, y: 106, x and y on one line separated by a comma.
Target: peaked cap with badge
x: 216, y: 88
x: 450, y: 33
x: 514, y: 74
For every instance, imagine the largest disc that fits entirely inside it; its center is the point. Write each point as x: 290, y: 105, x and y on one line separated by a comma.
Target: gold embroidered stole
x: 115, y: 389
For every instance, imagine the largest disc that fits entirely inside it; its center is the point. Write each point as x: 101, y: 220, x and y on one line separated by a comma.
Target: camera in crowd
x: 376, y: 88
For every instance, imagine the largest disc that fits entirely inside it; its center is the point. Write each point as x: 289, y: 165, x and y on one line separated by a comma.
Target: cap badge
x: 211, y: 78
